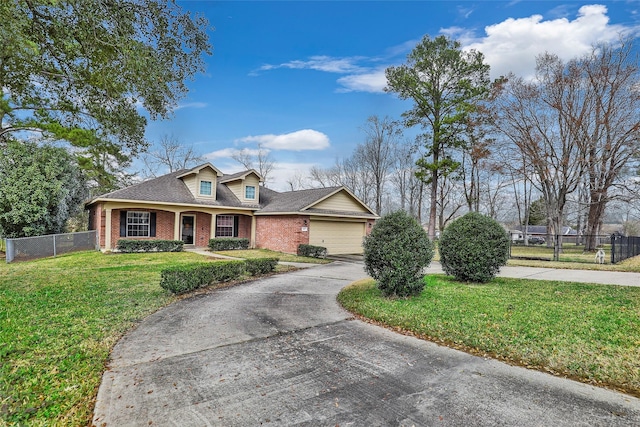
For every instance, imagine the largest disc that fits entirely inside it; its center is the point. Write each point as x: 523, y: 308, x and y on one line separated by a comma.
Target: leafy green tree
x: 40, y: 188
x: 89, y: 71
x: 538, y: 212
x: 446, y: 84
x: 395, y: 254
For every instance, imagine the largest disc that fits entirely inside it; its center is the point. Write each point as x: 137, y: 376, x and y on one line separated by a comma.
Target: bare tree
x: 612, y: 130
x: 541, y: 119
x: 298, y: 181
x: 408, y: 187
x: 450, y: 200
x: 260, y: 160
x: 377, y: 153
x: 170, y: 155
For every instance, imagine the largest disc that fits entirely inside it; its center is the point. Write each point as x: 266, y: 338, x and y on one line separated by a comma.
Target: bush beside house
x: 228, y: 244
x: 130, y: 245
x: 312, y: 251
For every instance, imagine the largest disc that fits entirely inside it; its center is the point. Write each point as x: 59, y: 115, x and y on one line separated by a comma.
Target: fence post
x: 613, y: 249
x: 9, y: 255
x: 54, y: 245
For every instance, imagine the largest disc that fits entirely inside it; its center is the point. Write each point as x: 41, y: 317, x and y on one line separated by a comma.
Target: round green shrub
x: 473, y: 248
x: 395, y: 254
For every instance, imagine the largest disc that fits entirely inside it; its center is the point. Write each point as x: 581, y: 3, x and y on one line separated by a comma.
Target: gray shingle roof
x: 234, y: 176
x: 171, y: 189
x: 293, y: 201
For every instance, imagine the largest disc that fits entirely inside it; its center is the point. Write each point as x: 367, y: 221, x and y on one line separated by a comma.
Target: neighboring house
x: 195, y: 205
x: 537, y: 231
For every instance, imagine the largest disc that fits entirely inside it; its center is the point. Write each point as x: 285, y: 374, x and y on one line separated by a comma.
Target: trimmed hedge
x: 473, y: 248
x: 131, y: 245
x: 228, y: 244
x: 186, y: 278
x: 312, y: 251
x: 261, y: 265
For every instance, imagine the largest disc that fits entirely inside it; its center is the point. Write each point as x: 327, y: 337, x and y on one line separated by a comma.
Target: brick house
x: 195, y: 205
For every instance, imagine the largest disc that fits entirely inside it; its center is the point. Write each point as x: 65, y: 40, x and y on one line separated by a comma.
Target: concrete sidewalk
x: 565, y: 275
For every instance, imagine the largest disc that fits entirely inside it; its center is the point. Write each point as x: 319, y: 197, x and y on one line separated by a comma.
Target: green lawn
x: 629, y: 265
x: 570, y: 253
x: 59, y: 319
x: 587, y: 332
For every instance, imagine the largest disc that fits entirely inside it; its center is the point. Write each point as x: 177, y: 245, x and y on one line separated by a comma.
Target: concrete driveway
x: 280, y: 351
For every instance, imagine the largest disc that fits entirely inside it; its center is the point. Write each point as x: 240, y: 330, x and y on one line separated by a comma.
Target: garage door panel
x: 339, y: 237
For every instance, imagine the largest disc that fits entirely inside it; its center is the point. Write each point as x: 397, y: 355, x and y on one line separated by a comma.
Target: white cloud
x: 374, y: 81
x: 320, y: 63
x: 306, y: 139
x: 512, y: 45
x: 191, y: 105
x: 227, y: 153
x: 284, y: 172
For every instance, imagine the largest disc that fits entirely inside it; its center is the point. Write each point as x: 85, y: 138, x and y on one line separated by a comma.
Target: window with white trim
x: 138, y: 224
x: 206, y: 188
x: 250, y: 192
x: 224, y: 225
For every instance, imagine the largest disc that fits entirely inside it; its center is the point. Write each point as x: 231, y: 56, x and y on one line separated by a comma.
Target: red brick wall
x: 369, y: 227
x: 96, y: 220
x: 244, y: 227
x: 164, y: 226
x: 281, y: 233
x: 203, y: 228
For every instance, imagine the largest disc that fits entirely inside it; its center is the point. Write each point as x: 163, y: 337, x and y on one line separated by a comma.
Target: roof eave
x: 152, y: 202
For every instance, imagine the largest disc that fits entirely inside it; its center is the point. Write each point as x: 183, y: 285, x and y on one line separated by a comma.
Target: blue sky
x: 300, y: 78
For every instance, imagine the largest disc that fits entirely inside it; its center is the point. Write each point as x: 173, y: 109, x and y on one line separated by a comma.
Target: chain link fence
x: 573, y: 249
x: 28, y: 248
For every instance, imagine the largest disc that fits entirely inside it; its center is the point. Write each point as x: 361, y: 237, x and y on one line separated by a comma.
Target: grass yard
x: 59, y: 319
x: 587, y: 332
x: 629, y: 265
x: 570, y: 253
x: 265, y: 253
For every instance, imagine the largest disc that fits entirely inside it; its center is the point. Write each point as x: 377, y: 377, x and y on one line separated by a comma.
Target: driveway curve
x: 281, y: 351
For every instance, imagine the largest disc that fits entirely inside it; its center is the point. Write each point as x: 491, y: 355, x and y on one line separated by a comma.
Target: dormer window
x: 205, y: 188
x: 250, y: 192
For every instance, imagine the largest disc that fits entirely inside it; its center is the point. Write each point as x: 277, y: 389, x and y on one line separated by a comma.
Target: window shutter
x: 123, y: 223
x: 152, y: 224
x: 236, y: 222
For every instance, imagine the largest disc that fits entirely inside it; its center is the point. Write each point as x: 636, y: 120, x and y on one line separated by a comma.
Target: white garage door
x: 338, y: 237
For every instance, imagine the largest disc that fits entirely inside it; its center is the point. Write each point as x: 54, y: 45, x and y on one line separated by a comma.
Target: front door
x: 188, y: 229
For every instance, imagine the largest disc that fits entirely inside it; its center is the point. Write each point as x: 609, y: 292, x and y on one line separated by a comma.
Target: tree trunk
x: 596, y: 212
x: 433, y: 212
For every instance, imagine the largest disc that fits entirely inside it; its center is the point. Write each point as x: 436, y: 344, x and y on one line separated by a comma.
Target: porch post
x: 107, y: 229
x: 253, y: 232
x: 176, y: 226
x: 212, y: 231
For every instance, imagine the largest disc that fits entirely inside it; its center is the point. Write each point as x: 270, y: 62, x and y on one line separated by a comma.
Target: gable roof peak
x: 240, y: 175
x: 197, y: 169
